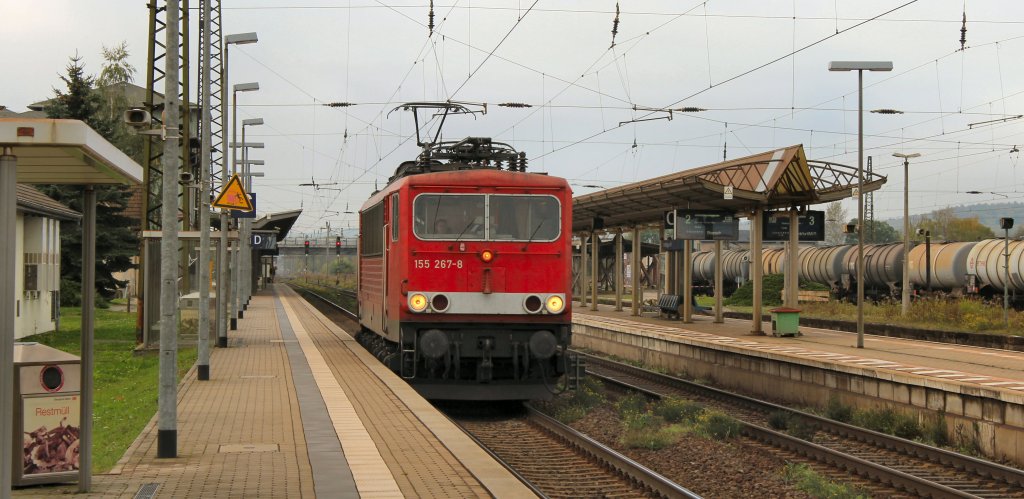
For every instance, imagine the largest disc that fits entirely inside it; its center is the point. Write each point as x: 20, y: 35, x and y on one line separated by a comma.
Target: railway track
x: 351, y: 315
x: 553, y: 459
x: 904, y: 465
x: 558, y: 461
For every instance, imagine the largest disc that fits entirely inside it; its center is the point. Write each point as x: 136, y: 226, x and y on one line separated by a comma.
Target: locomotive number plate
x: 437, y: 263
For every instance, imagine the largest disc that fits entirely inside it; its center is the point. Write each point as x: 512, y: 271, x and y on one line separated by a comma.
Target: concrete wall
x: 992, y: 418
x: 37, y: 242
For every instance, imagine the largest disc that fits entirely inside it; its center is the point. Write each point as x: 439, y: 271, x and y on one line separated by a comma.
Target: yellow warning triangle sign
x: 233, y: 197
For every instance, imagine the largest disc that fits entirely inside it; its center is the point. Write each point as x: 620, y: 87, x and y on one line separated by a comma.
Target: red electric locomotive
x: 464, y: 273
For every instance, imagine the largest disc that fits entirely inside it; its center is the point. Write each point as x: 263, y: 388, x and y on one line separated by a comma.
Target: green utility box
x: 785, y: 321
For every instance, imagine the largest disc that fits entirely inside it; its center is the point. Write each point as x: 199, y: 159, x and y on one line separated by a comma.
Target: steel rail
x: 500, y: 461
x: 348, y: 313
x: 624, y: 465
x: 943, y: 457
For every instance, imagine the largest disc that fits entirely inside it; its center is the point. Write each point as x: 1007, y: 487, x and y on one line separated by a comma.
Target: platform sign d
x: 233, y: 197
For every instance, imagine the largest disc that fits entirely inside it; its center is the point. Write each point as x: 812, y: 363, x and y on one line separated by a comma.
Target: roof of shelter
x: 781, y: 178
x: 282, y: 222
x: 32, y: 201
x: 51, y: 151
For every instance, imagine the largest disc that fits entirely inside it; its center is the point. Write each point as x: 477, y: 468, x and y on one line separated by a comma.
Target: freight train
x: 464, y: 275
x: 956, y: 268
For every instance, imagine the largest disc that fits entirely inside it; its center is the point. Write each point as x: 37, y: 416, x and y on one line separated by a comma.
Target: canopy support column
x: 618, y: 270
x: 688, y: 282
x: 594, y: 260
x: 719, y: 277
x: 756, y: 271
x: 638, y: 295
x: 792, y: 261
x: 8, y: 215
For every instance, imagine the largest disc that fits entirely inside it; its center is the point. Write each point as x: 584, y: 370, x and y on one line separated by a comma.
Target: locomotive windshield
x: 490, y: 217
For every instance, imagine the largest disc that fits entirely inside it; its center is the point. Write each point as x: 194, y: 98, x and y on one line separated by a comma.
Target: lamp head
x: 252, y: 121
x: 860, y: 66
x: 906, y: 156
x: 246, y: 87
x: 241, y: 38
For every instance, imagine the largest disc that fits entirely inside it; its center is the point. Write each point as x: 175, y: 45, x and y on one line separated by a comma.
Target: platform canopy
x: 281, y: 222
x: 782, y: 178
x: 53, y: 151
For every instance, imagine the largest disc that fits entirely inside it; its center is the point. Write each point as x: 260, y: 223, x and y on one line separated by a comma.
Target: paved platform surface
x: 296, y: 408
x: 985, y: 367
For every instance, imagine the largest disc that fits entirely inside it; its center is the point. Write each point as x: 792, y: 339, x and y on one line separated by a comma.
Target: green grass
x: 818, y: 486
x: 126, y: 385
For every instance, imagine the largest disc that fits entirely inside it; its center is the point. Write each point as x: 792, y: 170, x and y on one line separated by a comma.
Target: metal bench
x: 669, y: 305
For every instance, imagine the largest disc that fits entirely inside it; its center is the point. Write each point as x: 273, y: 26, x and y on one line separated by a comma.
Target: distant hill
x: 988, y: 214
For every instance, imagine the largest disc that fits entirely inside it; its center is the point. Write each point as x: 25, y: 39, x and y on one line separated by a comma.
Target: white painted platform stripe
x: 371, y: 473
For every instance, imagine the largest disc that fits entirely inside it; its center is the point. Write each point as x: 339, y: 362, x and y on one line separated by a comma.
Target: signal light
x: 337, y: 245
x: 307, y: 246
x: 487, y: 256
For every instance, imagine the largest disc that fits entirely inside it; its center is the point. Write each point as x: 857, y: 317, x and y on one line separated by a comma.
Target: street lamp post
x: 906, y: 229
x: 860, y: 67
x: 233, y: 297
x: 245, y: 246
x: 1006, y: 224
x: 223, y: 296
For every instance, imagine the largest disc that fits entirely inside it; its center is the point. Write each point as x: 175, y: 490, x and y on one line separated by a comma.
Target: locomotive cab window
x: 524, y: 218
x: 450, y: 216
x: 493, y: 217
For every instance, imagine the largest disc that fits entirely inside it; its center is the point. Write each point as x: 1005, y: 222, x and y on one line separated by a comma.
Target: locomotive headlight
x: 417, y: 302
x: 487, y: 256
x: 555, y: 304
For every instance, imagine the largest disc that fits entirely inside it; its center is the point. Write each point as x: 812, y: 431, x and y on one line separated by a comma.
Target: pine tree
x: 116, y: 242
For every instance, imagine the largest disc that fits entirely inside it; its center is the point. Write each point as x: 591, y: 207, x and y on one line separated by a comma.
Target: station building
x: 37, y: 261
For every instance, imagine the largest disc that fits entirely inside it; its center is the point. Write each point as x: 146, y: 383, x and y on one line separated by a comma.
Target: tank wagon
x: 986, y: 272
x: 947, y: 269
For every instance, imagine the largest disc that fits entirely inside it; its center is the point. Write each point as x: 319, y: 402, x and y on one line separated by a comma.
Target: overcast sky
x: 735, y: 59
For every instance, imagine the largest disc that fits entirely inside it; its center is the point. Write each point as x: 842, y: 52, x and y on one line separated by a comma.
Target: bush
x: 637, y: 420
x: 674, y: 410
x: 633, y: 403
x: 809, y: 481
x: 566, y: 414
x: 888, y: 420
x: 801, y: 428
x: 934, y: 430
x: 589, y: 393
x: 647, y: 439
x: 718, y: 425
x: 779, y: 420
x: 837, y: 411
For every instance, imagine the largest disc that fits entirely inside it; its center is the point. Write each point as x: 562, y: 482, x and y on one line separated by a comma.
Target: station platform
x: 979, y: 391
x: 296, y: 408
x: 984, y: 367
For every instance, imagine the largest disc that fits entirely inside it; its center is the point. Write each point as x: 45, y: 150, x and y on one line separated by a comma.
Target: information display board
x: 706, y: 225
x: 776, y: 226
